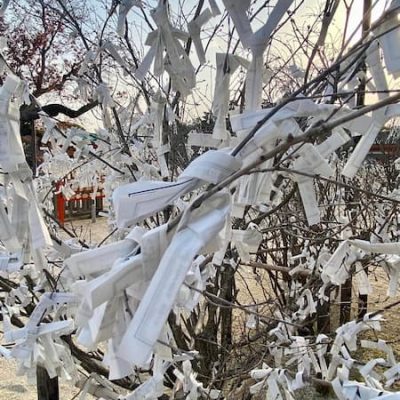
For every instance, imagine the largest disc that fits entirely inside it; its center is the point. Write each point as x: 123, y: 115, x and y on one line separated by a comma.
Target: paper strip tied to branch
x: 38, y: 343
x: 194, y: 28
x: 257, y: 42
x: 136, y: 201
x: 310, y: 161
x: 108, y: 300
x: 238, y: 12
x: 123, y: 9
x: 299, y: 107
x: 196, y: 230
x: 24, y: 205
x: 227, y: 64
x: 337, y: 269
x: 199, y: 139
x: 176, y: 62
x: 358, y: 391
x: 389, y: 40
x: 7, y: 231
x: 379, y: 117
x: 109, y: 46
x: 93, y: 262
x: 214, y: 7
x: 11, y: 150
x: 246, y: 242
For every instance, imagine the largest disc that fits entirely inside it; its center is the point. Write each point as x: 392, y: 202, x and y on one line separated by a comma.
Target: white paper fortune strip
x: 246, y: 242
x: 7, y: 232
x: 40, y: 236
x: 299, y: 108
x: 254, y: 83
x: 124, y: 7
x: 199, y: 139
x: 194, y: 28
x: 261, y: 37
x: 337, y: 270
x: 197, y: 228
x: 136, y: 201
x: 109, y: 46
x: 214, y: 7
x: 364, y: 287
x: 237, y: 11
x: 227, y: 64
x: 382, y: 248
x: 139, y: 200
x: 378, y: 117
x: 99, y: 260
x: 258, y: 43
x: 360, y: 152
x: 177, y: 63
x: 338, y: 138
x: 11, y: 150
x: 310, y: 161
x: 389, y: 40
x: 374, y: 64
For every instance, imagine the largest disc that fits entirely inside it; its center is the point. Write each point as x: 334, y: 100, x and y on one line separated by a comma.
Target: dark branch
x: 29, y: 113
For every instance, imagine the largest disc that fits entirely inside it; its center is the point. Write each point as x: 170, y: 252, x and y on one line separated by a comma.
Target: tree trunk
x: 47, y: 388
x: 363, y: 298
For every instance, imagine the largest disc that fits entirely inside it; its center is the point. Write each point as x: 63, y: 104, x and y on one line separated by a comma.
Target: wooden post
x: 47, y: 388
x: 93, y: 209
x: 323, y: 317
x: 345, y: 301
x: 60, y: 203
